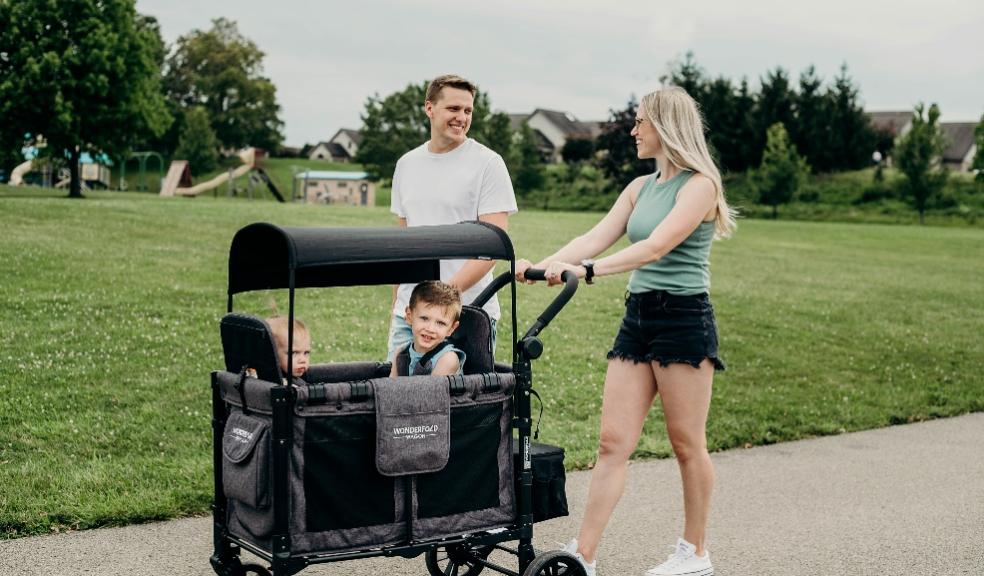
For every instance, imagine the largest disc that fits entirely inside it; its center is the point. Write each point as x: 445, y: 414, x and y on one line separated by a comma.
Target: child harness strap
x: 424, y: 367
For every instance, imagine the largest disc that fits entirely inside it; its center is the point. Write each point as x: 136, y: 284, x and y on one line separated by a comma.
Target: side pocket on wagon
x: 246, y: 460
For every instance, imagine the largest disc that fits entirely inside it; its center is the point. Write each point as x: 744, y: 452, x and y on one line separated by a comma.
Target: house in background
x: 891, y: 122
x: 334, y: 187
x: 961, y: 146
x: 349, y: 140
x: 553, y: 129
x: 342, y: 147
x: 559, y: 127
x: 328, y: 151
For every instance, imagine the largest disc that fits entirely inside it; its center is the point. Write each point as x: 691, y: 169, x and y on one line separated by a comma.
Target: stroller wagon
x: 352, y: 463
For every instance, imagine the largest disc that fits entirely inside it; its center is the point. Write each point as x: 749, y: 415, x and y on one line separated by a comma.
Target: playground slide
x: 214, y: 182
x: 246, y: 156
x: 17, y: 176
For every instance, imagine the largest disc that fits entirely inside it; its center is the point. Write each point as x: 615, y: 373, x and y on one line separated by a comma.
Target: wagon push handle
x: 566, y: 293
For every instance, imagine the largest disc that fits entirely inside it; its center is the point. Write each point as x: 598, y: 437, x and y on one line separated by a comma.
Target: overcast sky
x: 586, y: 57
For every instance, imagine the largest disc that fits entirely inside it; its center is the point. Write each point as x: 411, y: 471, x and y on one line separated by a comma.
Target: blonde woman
x: 667, y: 343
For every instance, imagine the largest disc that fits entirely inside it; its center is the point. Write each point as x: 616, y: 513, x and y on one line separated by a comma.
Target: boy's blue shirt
x: 416, y: 356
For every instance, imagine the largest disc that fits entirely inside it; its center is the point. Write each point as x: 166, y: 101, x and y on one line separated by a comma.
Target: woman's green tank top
x: 685, y: 270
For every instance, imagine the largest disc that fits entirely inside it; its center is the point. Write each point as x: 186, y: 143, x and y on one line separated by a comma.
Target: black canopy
x: 263, y: 255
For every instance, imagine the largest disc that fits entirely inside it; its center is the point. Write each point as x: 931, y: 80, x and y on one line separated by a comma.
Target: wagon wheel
x: 555, y: 563
x: 253, y: 569
x: 457, y: 560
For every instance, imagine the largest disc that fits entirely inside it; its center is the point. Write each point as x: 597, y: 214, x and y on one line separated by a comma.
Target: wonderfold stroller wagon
x: 351, y: 463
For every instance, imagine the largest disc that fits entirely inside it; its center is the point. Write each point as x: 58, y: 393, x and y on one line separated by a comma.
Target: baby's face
x: 430, y: 325
x: 302, y: 353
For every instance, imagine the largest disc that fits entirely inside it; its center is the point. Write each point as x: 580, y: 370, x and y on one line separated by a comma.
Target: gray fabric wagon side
x: 338, y: 500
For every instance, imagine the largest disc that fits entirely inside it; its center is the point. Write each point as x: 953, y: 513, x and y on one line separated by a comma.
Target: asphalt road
x: 900, y: 500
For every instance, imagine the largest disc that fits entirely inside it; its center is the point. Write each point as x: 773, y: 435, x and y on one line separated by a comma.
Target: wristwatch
x: 588, y: 264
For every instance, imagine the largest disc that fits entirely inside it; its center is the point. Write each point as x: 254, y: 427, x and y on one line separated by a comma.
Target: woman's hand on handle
x: 556, y: 268
x: 522, y: 265
x: 552, y: 271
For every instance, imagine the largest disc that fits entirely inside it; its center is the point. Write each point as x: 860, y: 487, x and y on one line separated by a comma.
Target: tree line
x: 96, y: 76
x: 777, y: 135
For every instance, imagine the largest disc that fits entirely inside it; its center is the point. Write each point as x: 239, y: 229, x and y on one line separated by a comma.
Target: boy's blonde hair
x: 278, y: 327
x: 437, y: 293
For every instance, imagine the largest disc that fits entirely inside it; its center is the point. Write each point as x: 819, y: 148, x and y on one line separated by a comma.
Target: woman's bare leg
x: 685, y: 392
x: 629, y: 392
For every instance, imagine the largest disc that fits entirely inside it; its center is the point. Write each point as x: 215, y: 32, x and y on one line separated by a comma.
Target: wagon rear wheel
x: 457, y: 560
x: 555, y: 563
x: 256, y: 569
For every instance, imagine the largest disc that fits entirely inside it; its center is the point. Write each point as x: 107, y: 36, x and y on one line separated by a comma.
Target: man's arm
x: 474, y: 270
x: 399, y: 222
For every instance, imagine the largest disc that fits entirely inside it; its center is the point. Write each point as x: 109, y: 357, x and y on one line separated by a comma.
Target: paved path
x: 901, y: 500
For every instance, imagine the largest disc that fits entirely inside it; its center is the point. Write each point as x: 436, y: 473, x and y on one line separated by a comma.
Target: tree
x: 782, y: 170
x: 577, y: 150
x: 918, y: 154
x: 774, y: 104
x: 616, y: 147
x: 852, y: 137
x: 978, y: 164
x: 391, y: 127
x: 496, y: 133
x: 527, y: 173
x: 81, y: 74
x: 396, y: 124
x: 221, y: 71
x: 813, y: 132
x: 686, y: 74
x: 198, y: 144
x: 747, y: 154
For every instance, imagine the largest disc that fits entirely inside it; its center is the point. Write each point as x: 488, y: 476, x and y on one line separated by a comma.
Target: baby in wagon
x: 432, y: 315
x: 302, y: 344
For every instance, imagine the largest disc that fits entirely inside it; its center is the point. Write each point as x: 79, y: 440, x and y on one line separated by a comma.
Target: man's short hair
x: 448, y: 81
x: 437, y: 293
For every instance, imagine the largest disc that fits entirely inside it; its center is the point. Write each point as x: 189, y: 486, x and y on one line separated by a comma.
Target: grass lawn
x: 109, y: 310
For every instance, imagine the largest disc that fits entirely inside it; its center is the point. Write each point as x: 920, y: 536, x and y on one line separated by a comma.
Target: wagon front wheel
x: 457, y: 560
x: 555, y: 563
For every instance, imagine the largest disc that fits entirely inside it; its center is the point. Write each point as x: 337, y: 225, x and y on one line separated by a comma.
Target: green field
x: 109, y: 310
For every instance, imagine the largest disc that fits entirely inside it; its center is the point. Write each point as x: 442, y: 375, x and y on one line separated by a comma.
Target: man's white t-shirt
x: 432, y: 189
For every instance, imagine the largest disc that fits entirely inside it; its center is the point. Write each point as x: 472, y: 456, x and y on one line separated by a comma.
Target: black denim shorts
x: 666, y: 328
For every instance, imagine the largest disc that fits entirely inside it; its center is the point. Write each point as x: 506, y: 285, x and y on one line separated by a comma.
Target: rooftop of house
x: 354, y: 135
x: 567, y: 123
x: 331, y: 175
x: 890, y: 120
x: 960, y: 139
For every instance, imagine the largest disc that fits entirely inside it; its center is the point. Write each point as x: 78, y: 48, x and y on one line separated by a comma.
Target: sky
x: 587, y: 57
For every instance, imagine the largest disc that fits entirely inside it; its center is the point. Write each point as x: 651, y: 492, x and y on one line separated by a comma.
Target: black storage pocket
x: 549, y: 480
x: 470, y: 480
x: 246, y: 460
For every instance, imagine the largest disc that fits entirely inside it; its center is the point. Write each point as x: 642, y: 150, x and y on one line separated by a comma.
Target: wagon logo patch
x: 241, y: 436
x: 415, y: 432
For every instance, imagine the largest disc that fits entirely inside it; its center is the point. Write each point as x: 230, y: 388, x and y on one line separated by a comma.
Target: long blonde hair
x: 680, y: 127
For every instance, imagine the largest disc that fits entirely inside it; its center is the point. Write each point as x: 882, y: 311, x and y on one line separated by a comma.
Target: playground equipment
x: 142, y: 158
x: 17, y: 176
x: 249, y: 157
x: 93, y: 171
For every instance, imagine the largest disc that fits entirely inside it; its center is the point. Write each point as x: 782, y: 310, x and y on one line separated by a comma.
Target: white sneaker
x: 571, y: 548
x: 684, y: 562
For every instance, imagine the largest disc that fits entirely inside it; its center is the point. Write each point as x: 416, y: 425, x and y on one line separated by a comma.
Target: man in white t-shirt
x: 449, y: 179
